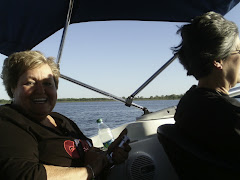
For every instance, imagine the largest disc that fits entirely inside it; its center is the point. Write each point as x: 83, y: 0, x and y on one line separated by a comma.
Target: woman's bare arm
x: 66, y: 173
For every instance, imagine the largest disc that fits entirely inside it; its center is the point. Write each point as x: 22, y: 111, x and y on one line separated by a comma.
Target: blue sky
x: 118, y: 57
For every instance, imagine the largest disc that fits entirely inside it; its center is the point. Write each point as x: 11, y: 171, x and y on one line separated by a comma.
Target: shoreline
x: 168, y: 97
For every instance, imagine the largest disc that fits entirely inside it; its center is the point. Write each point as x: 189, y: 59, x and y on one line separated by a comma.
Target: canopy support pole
x: 101, y: 92
x: 128, y: 102
x: 68, y: 19
x: 130, y: 98
x: 71, y: 2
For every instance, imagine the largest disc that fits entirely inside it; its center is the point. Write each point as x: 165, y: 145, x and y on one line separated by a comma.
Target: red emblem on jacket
x: 71, y: 149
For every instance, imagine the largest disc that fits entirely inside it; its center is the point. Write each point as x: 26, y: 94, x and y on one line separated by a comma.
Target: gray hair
x: 205, y: 39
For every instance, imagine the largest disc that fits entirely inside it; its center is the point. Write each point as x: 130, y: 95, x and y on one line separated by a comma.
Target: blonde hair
x: 18, y: 63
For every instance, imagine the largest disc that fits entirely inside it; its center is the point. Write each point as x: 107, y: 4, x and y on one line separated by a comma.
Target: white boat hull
x: 147, y: 159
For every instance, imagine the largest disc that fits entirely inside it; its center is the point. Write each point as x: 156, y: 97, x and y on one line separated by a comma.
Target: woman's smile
x: 36, y: 93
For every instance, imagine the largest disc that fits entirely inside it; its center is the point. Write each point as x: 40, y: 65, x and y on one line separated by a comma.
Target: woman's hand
x: 119, y: 154
x: 96, y: 159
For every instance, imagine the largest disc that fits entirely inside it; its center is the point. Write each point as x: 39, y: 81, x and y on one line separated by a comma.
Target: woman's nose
x: 40, y: 88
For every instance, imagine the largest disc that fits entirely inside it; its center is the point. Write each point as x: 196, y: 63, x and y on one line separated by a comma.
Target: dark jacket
x: 211, y: 119
x: 25, y: 145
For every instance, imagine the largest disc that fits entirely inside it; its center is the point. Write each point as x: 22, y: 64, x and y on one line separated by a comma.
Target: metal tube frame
x: 234, y: 92
x: 68, y: 20
x: 99, y: 91
x: 128, y: 101
x: 130, y: 98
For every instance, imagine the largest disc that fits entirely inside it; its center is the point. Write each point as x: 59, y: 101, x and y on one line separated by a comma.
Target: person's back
x: 210, y: 118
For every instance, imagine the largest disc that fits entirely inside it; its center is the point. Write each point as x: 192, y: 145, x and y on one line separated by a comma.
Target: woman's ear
x: 218, y: 64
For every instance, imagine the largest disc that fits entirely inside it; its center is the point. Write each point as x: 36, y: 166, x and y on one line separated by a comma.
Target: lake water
x: 113, y: 113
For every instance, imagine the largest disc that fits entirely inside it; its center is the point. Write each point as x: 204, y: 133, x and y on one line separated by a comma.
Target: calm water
x: 113, y: 113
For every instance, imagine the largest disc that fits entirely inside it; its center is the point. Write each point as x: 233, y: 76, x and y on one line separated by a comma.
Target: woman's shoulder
x: 199, y: 94
x: 205, y: 93
x: 204, y: 98
x: 210, y: 97
x: 7, y: 111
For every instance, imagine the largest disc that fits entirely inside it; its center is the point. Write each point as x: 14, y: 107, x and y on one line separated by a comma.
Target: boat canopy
x: 26, y: 23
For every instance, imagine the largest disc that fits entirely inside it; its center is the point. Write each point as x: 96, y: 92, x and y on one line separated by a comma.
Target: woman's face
x: 36, y: 93
x: 231, y: 66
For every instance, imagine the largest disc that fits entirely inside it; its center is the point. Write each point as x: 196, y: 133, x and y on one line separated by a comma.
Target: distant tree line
x: 3, y: 101
x: 82, y: 99
x: 163, y: 97
x: 166, y: 97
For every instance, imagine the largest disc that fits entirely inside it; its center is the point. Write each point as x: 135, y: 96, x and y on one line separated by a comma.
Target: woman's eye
x: 29, y: 83
x: 48, y: 84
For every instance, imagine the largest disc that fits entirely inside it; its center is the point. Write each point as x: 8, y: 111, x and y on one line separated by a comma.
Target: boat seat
x: 192, y: 161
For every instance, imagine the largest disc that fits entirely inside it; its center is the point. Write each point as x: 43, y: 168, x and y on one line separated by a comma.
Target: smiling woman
x: 31, y: 80
x: 18, y: 63
x: 36, y: 92
x: 41, y: 144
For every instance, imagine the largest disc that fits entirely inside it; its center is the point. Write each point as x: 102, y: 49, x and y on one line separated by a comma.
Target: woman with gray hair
x: 36, y: 143
x: 210, y: 51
